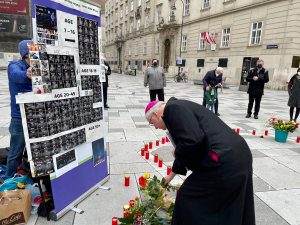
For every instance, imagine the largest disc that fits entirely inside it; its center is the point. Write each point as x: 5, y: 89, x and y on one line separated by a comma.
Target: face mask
x: 259, y: 66
x: 217, y: 74
x: 299, y: 73
x: 155, y: 64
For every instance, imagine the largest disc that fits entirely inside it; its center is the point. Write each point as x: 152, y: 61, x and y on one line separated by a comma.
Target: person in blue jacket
x: 216, y: 77
x: 19, y: 78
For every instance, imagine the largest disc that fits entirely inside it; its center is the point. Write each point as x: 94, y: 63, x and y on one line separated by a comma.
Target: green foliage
x: 287, y: 126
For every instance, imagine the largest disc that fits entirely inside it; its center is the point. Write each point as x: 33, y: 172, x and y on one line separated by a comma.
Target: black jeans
x: 257, y: 99
x: 292, y: 112
x: 159, y: 92
x: 105, y: 95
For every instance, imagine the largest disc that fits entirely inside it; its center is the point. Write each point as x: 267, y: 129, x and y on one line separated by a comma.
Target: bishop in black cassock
x: 220, y: 189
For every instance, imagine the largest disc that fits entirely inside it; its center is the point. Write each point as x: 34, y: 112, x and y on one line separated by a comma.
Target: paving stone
x: 256, y: 154
x: 259, y: 185
x: 164, y: 153
x: 67, y: 219
x: 127, y: 168
x: 113, y: 114
x: 4, y: 131
x: 139, y: 119
x: 116, y: 130
x: 139, y: 134
x: 125, y: 152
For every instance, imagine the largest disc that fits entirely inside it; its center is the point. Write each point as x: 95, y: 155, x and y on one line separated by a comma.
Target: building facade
x: 137, y: 31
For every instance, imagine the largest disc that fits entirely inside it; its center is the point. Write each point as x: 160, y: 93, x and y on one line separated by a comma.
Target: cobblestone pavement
x: 276, y: 173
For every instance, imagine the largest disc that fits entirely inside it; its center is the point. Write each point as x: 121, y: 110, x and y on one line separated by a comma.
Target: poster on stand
x: 67, y: 29
x: 98, y: 152
x: 65, y: 162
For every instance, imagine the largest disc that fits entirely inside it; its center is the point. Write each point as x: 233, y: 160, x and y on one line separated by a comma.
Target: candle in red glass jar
x: 142, y: 152
x: 238, y: 130
x: 169, y: 169
x: 298, y: 139
x: 163, y: 140
x: 131, y: 203
x: 157, y: 142
x: 115, y: 221
x: 266, y: 132
x: 150, y: 145
x: 147, y: 155
x: 167, y: 139
x: 253, y: 132
x: 176, y: 192
x: 233, y: 129
x: 125, y: 213
x: 127, y: 179
x: 156, y: 158
x: 160, y: 162
x: 146, y: 147
x: 261, y: 136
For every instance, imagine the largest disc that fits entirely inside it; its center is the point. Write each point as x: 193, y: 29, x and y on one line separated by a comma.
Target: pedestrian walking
x: 294, y: 95
x: 105, y: 84
x: 257, y: 78
x: 220, y: 187
x: 19, y: 79
x: 156, y: 79
x: 211, y: 96
x: 215, y: 76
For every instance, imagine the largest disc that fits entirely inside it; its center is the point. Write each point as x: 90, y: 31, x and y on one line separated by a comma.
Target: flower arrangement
x: 287, y: 126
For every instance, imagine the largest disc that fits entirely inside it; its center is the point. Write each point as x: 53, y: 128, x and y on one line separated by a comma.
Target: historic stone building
x: 140, y: 30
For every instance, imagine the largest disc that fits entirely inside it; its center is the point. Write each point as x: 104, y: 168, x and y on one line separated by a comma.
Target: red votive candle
x: 298, y: 140
x: 115, y: 221
x: 233, y: 129
x: 163, y: 140
x: 142, y: 152
x: 131, y: 203
x: 238, y: 130
x: 125, y: 214
x: 156, y: 158
x: 127, y: 179
x: 167, y: 139
x: 146, y: 147
x: 253, y: 132
x: 261, y: 136
x: 176, y: 192
x: 157, y: 142
x: 169, y: 169
x: 160, y: 162
x: 147, y: 155
x: 150, y: 145
x: 266, y: 132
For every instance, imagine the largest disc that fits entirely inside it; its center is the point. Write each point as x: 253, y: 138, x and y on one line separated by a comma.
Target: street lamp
x: 174, y: 8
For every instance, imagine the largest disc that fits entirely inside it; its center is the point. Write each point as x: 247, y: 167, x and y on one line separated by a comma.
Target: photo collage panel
x: 92, y: 83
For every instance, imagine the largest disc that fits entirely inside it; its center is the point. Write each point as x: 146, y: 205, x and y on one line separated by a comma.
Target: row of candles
x: 266, y: 134
x: 146, y: 153
x: 126, y: 210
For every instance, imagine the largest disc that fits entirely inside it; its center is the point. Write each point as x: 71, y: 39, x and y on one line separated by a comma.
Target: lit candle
x: 156, y: 158
x: 233, y: 129
x: 143, y: 152
x: 126, y: 208
x: 115, y: 221
x: 169, y: 169
x: 298, y: 140
x: 253, y: 132
x: 146, y: 147
x: 131, y: 203
x: 157, y: 142
x: 160, y: 162
x: 167, y: 139
x: 163, y: 140
x: 150, y: 145
x: 266, y: 132
x: 261, y: 136
x: 238, y: 130
x: 147, y: 155
x: 127, y: 179
x: 125, y: 214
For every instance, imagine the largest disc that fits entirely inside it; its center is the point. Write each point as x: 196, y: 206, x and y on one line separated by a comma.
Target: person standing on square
x: 156, y: 79
x: 257, y: 78
x: 105, y: 84
x: 216, y: 77
x: 294, y: 95
x: 211, y: 96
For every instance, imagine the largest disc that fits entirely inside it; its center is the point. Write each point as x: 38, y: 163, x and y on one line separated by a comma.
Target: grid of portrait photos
x: 42, y: 152
x: 39, y: 65
x: 88, y: 41
x: 46, y: 25
x: 62, y: 71
x: 92, y: 83
x: 52, y: 117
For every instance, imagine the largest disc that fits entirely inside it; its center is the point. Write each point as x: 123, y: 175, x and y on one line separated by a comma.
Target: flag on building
x: 209, y: 38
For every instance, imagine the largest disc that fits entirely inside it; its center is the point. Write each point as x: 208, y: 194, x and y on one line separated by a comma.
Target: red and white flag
x: 208, y: 38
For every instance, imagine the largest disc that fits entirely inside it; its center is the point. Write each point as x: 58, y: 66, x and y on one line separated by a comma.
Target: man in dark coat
x: 216, y: 77
x: 105, y: 84
x: 220, y: 189
x: 257, y: 78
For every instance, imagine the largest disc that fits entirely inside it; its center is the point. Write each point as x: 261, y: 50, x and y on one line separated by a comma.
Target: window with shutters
x: 183, y: 43
x: 256, y: 31
x: 137, y: 49
x: 205, y: 4
x: 132, y: 6
x: 187, y: 7
x: 140, y: 2
x: 129, y: 50
x: 225, y: 38
x: 121, y: 13
x: 202, y: 42
x: 126, y: 12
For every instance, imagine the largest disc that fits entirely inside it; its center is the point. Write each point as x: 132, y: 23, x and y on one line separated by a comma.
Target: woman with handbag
x: 294, y: 95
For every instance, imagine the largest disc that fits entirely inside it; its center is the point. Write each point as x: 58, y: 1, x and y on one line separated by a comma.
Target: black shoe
x: 106, y: 106
x: 248, y: 115
x: 218, y: 114
x: 255, y: 117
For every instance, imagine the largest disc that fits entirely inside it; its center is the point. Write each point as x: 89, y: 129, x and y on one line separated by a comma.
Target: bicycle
x: 181, y: 77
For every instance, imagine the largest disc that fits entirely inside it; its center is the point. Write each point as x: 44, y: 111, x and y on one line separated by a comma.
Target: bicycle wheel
x: 186, y: 79
x: 176, y: 78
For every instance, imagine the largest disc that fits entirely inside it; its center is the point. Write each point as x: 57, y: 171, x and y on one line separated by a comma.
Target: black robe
x: 216, y: 193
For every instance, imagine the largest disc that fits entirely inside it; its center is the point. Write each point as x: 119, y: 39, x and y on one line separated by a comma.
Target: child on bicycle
x: 211, y: 96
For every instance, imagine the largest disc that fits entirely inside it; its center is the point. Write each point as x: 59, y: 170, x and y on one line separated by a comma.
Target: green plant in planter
x: 287, y: 126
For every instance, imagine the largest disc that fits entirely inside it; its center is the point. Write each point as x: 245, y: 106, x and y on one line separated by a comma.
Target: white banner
x: 67, y: 29
x: 90, y: 9
x: 73, y: 4
x: 89, y: 70
x: 94, y: 131
x: 60, y: 50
